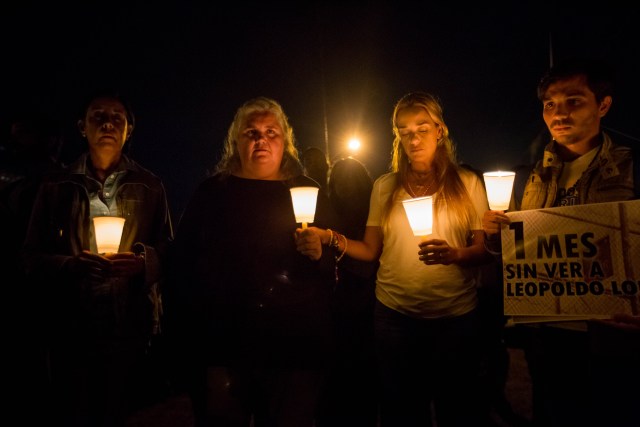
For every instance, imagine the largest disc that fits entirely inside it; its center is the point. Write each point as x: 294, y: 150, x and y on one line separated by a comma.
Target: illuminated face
x: 105, y: 125
x: 261, y: 147
x: 419, y: 135
x: 572, y: 114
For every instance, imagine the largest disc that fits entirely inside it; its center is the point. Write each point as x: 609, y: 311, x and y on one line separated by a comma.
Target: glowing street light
x: 354, y: 144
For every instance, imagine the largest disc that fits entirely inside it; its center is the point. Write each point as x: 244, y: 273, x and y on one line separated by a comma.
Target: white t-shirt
x: 406, y: 284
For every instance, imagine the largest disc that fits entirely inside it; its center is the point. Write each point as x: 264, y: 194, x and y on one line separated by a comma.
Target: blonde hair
x: 230, y: 161
x: 449, y: 191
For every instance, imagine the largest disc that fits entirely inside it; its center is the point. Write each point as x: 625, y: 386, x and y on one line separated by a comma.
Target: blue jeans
x: 424, y: 362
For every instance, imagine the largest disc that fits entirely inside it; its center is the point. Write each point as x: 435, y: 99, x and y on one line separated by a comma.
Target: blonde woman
x: 425, y: 315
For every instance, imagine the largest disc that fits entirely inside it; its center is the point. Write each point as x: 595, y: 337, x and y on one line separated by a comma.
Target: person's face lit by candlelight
x: 572, y: 112
x: 106, y: 125
x: 261, y: 147
x: 419, y: 135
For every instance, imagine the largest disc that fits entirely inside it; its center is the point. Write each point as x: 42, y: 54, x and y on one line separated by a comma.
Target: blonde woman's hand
x: 437, y: 251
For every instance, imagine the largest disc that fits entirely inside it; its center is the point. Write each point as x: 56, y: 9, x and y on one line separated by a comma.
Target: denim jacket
x: 59, y: 229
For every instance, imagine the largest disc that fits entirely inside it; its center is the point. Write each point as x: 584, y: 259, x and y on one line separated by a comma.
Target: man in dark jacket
x: 102, y: 309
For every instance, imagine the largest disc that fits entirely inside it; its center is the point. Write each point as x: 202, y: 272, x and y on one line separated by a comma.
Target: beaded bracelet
x: 345, y: 247
x: 333, y: 240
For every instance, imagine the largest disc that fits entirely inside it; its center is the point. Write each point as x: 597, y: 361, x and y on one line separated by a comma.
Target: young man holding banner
x: 581, y: 165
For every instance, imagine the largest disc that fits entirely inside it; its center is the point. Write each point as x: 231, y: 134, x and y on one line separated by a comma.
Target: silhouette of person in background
x: 32, y: 140
x: 101, y: 309
x: 316, y: 166
x: 350, y: 397
x: 496, y: 360
x: 32, y: 144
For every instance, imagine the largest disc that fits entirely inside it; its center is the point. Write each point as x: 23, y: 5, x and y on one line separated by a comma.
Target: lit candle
x: 499, y: 185
x: 304, y: 204
x: 420, y: 214
x: 108, y: 232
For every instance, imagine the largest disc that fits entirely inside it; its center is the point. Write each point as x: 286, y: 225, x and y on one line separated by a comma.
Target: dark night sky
x: 187, y: 69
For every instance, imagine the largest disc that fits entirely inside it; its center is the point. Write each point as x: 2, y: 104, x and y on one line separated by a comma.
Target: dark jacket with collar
x: 59, y: 229
x: 612, y: 176
x: 609, y: 178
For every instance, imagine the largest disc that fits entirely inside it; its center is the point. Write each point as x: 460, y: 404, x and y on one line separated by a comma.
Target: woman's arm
x: 367, y: 249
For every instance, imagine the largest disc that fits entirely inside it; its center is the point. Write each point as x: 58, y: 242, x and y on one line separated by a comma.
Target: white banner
x: 572, y: 262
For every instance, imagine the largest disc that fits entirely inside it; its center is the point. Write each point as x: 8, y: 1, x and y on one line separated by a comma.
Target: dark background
x: 334, y: 68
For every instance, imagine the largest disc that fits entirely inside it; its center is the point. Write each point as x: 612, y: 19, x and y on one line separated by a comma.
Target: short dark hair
x: 599, y: 75
x: 108, y: 93
x: 111, y: 93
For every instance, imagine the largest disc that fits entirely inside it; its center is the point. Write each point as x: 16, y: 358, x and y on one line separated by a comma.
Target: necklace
x: 414, y: 193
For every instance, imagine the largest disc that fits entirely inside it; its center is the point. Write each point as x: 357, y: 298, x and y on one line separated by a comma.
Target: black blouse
x: 242, y: 291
